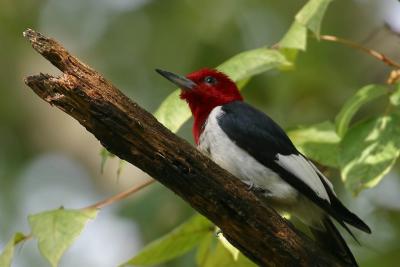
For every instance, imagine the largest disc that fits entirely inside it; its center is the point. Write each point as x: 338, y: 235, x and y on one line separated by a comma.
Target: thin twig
x: 120, y: 196
x: 388, y: 61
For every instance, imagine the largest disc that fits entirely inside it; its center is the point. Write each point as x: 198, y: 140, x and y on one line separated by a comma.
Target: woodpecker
x: 254, y: 148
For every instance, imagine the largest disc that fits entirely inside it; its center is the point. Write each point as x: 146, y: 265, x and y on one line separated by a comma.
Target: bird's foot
x: 250, y: 186
x: 218, y: 232
x: 256, y: 189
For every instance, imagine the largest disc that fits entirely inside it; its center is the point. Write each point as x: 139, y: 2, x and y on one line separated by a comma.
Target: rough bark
x: 134, y: 135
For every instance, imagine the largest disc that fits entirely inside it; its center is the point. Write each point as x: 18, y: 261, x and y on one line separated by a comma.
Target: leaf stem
x: 381, y: 57
x: 120, y: 196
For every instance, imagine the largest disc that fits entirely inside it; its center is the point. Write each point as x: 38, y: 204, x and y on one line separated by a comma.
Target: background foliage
x: 347, y: 116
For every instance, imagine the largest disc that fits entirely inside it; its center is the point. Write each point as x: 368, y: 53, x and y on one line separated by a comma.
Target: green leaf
x: 229, y: 247
x: 395, y: 96
x: 243, y: 261
x: 56, y: 230
x: 242, y: 83
x: 368, y: 152
x: 176, y: 243
x: 295, y: 38
x: 205, y: 248
x: 318, y: 142
x: 249, y: 63
x: 312, y: 13
x: 363, y: 96
x: 7, y: 254
x: 219, y: 256
x: 173, y: 112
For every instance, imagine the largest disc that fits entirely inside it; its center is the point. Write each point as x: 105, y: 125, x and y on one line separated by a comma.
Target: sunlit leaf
x: 242, y: 83
x: 243, y: 261
x: 395, y: 96
x: 318, y: 142
x: 173, y: 112
x: 56, y: 230
x: 176, y: 243
x: 233, y: 250
x: 205, y: 248
x: 219, y: 256
x: 249, y: 63
x: 309, y: 17
x: 363, y: 96
x: 368, y: 151
x: 7, y: 254
x: 295, y: 38
x: 312, y: 13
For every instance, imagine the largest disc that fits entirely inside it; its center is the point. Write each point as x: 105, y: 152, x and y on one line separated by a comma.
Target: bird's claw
x: 255, y: 189
x: 250, y: 186
x: 218, y: 232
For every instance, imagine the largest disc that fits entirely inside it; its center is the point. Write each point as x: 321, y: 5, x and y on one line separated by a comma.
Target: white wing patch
x: 305, y: 171
x: 323, y: 177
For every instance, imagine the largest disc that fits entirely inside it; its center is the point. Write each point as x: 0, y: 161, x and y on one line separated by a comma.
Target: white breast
x: 216, y: 144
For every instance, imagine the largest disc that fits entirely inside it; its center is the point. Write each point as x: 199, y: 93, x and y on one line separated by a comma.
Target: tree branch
x: 134, y: 135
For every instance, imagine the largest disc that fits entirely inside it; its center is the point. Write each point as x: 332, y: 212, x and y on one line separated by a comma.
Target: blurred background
x: 48, y: 160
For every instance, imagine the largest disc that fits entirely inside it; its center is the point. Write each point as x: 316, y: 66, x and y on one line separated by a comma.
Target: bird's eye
x: 210, y: 80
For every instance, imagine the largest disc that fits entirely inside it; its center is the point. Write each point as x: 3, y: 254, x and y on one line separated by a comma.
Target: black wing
x: 263, y: 139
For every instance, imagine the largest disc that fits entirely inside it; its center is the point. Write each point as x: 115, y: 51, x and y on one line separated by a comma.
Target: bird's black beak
x: 181, y: 81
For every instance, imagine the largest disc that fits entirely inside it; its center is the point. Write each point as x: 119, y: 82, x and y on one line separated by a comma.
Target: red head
x: 204, y: 90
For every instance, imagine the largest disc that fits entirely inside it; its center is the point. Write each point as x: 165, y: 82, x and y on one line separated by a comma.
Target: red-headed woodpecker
x: 254, y: 148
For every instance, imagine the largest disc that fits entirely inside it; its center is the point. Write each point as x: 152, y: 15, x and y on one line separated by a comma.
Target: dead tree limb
x: 134, y: 135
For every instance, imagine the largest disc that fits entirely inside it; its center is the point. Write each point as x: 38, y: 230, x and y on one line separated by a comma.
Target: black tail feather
x: 349, y: 217
x: 338, y: 211
x: 350, y: 232
x: 331, y: 240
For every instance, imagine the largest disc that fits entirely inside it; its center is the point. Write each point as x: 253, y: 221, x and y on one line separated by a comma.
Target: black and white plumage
x: 251, y: 146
